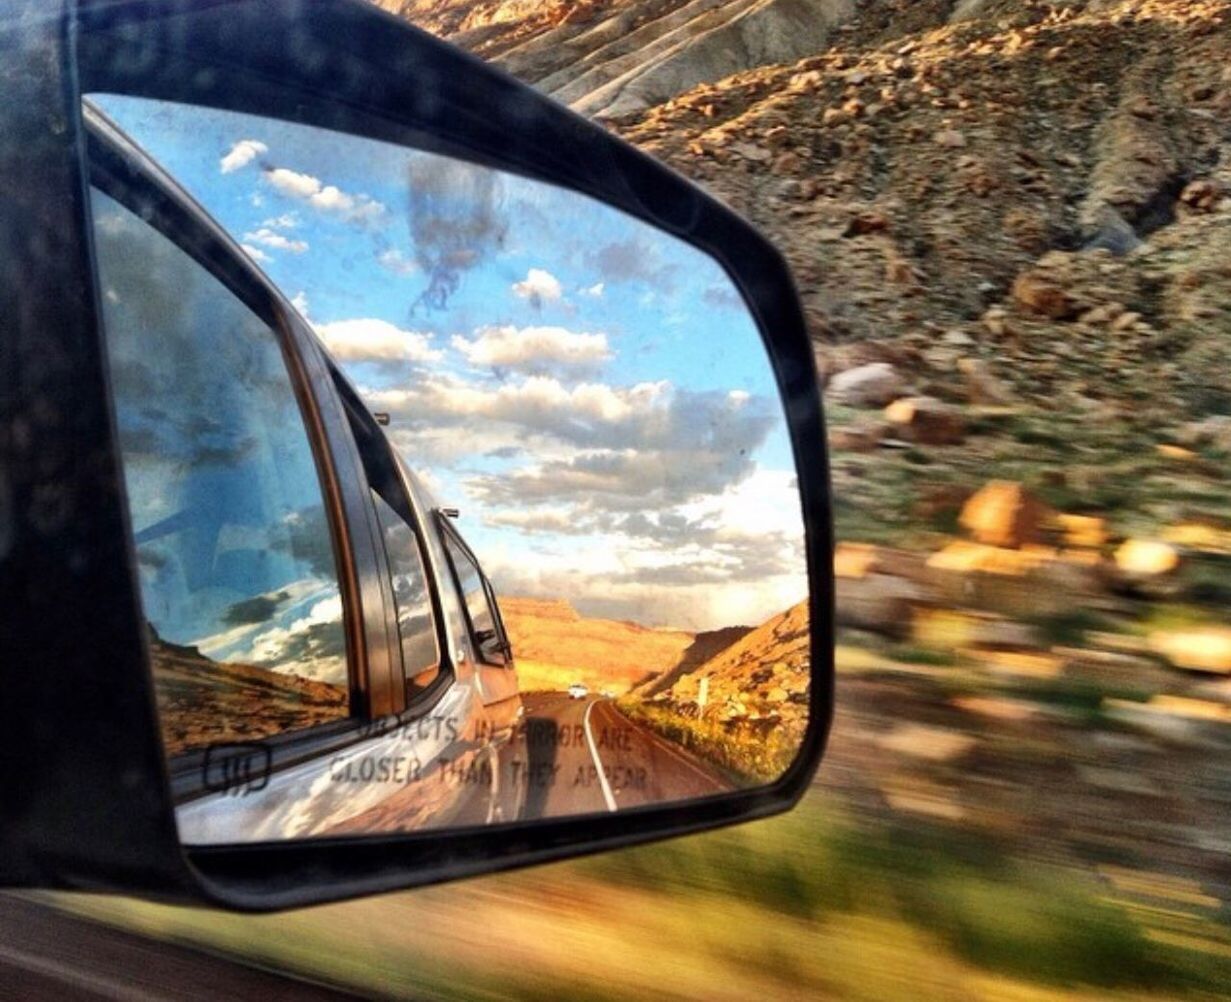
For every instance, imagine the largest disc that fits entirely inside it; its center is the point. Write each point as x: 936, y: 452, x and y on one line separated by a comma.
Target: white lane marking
x: 602, y: 776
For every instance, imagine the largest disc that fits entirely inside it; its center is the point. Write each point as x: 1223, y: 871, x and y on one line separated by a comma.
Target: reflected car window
x: 235, y: 555
x: 416, y: 628
x: 474, y: 596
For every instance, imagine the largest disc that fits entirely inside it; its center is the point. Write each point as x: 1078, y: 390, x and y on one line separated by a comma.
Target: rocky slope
x: 609, y: 59
x: 555, y: 646
x: 203, y: 702
x: 762, y: 675
x: 1010, y: 224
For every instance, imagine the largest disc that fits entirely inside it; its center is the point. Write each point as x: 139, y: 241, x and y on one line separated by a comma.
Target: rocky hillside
x: 744, y: 709
x: 761, y: 676
x: 555, y: 646
x: 203, y: 702
x: 994, y: 177
x: 609, y: 59
x: 1010, y: 224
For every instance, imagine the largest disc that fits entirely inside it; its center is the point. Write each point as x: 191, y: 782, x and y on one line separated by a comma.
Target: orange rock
x: 1086, y: 531
x: 1207, y: 649
x: 926, y: 421
x: 1146, y: 558
x: 1004, y: 514
x: 854, y: 560
x: 1038, y: 294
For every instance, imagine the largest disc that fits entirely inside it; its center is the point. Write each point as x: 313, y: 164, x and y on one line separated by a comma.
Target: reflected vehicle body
x: 221, y: 710
x: 440, y: 766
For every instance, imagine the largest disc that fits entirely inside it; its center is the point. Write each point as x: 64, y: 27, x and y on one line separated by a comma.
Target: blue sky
x: 589, y: 391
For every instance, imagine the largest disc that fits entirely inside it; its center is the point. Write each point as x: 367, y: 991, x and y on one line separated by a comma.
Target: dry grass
x: 747, y: 757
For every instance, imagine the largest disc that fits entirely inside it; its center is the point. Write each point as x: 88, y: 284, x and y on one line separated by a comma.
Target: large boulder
x: 1022, y: 583
x: 1146, y: 559
x: 873, y: 385
x: 926, y: 421
x: 1004, y: 514
x: 880, y: 603
x: 1205, y: 649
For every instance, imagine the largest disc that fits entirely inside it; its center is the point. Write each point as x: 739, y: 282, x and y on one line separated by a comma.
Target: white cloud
x: 594, y: 291
x: 325, y: 197
x: 303, y: 646
x: 286, y: 221
x: 590, y: 415
x: 300, y: 302
x: 765, y: 504
x: 271, y: 238
x: 256, y: 253
x: 538, y: 402
x: 372, y: 340
x: 733, y: 557
x: 615, y: 449
x: 395, y: 261
x: 533, y: 349
x: 242, y: 154
x: 603, y: 577
x: 292, y: 183
x: 538, y: 287
x: 430, y: 482
x: 551, y: 520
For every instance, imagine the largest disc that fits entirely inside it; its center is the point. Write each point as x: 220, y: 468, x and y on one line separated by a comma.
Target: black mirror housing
x: 87, y: 802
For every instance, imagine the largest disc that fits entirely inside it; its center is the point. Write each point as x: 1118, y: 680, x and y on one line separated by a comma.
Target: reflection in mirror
x: 233, y: 551
x: 617, y: 617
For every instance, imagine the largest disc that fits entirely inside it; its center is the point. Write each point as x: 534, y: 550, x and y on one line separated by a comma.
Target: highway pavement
x: 583, y: 756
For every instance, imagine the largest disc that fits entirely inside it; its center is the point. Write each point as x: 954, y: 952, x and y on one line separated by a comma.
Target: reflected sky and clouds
x: 233, y: 549
x: 591, y: 392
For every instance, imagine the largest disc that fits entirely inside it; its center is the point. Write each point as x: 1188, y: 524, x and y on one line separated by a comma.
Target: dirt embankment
x: 555, y: 646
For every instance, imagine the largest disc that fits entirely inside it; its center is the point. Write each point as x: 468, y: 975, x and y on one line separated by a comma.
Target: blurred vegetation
x: 748, y: 758
x: 810, y: 904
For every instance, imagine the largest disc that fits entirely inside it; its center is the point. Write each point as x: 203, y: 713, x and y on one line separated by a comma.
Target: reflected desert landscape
x: 736, y: 697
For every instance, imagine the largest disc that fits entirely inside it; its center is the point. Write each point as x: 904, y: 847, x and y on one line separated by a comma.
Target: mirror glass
x: 586, y: 512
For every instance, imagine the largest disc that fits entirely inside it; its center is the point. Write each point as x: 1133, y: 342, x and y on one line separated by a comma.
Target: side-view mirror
x: 332, y: 272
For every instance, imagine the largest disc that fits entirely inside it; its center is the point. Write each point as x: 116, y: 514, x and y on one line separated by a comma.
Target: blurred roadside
x: 1011, y: 224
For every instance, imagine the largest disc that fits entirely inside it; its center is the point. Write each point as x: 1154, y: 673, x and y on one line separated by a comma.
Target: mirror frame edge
x: 262, y: 877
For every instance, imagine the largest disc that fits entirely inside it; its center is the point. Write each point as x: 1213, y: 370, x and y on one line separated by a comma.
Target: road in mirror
x: 616, y: 614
